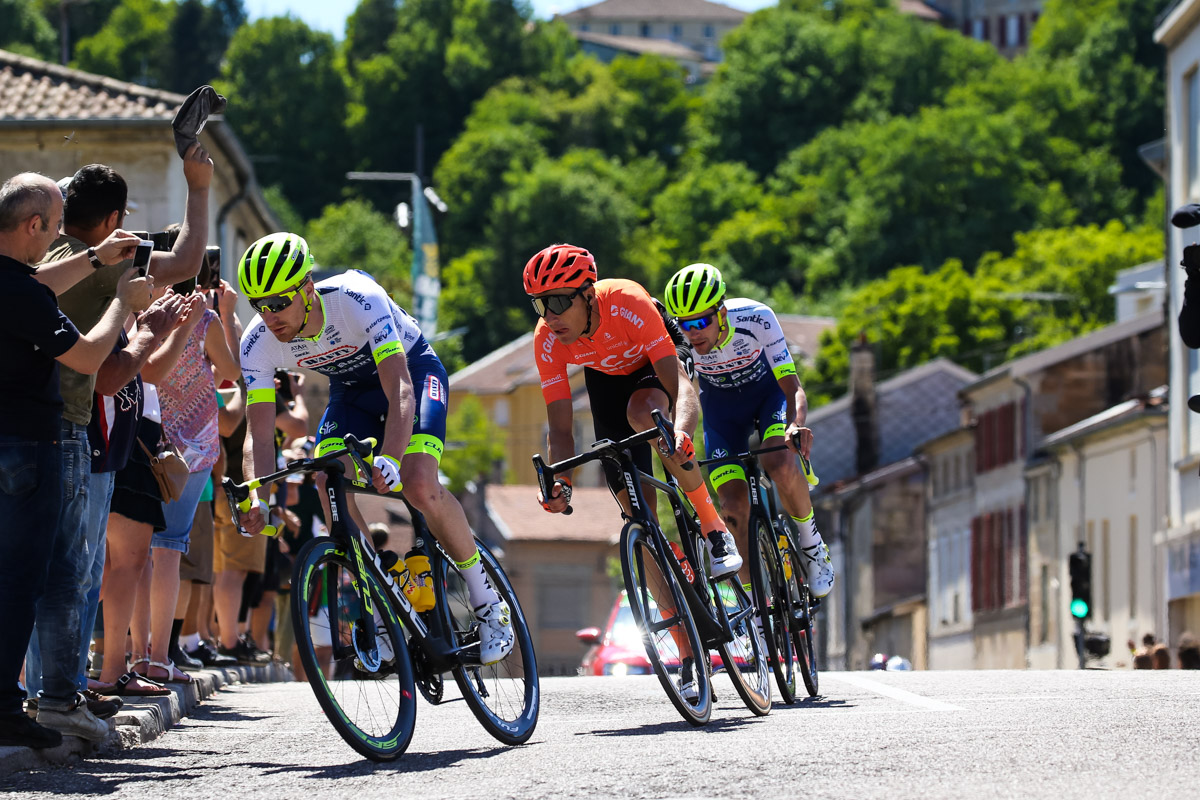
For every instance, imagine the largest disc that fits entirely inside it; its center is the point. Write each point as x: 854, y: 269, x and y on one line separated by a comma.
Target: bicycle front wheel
x: 665, y: 621
x: 504, y: 696
x: 770, y: 583
x: 800, y: 603
x: 367, y: 692
x: 744, y: 657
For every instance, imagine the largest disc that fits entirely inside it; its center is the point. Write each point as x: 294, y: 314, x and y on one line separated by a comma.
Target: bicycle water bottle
x: 419, y: 586
x: 683, y: 563
x: 787, y: 556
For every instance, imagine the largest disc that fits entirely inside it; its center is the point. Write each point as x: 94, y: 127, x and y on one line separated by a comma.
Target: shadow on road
x: 411, y: 761
x: 666, y: 727
x: 813, y: 702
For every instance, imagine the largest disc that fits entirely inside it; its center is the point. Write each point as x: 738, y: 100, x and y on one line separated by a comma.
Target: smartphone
x: 162, y: 241
x: 212, y: 255
x: 185, y: 287
x: 141, y: 257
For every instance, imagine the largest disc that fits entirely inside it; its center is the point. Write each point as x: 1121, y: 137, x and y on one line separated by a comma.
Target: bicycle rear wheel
x: 744, y: 658
x: 665, y: 621
x: 770, y: 586
x: 367, y: 694
x: 505, y: 696
x: 800, y: 602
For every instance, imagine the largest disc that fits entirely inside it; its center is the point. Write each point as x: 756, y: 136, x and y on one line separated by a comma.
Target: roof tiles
x: 31, y: 89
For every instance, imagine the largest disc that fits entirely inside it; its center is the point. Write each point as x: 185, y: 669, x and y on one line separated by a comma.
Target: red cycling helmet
x: 559, y: 266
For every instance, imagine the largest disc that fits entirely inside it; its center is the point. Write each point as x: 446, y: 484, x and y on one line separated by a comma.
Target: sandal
x: 174, y: 673
x: 132, y: 684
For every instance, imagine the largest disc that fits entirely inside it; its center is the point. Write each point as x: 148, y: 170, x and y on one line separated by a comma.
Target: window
x: 1013, y: 32
x: 585, y: 27
x: 1192, y: 93
x: 645, y: 30
x: 615, y: 29
x: 709, y: 32
x: 676, y: 32
x: 500, y: 412
x: 1044, y: 609
x: 560, y: 598
x: 979, y: 30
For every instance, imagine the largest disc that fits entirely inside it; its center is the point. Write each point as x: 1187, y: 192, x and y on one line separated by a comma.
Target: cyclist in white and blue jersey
x: 385, y: 382
x: 748, y: 383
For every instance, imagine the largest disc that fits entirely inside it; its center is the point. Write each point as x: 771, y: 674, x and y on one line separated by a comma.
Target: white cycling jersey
x: 754, y: 349
x: 362, y: 327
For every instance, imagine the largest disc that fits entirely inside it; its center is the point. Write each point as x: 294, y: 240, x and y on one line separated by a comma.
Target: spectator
x: 1161, y: 656
x: 1189, y: 652
x: 96, y: 198
x: 36, y: 445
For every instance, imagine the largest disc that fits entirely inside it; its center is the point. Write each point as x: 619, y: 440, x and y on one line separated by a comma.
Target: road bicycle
x: 777, y: 581
x: 681, y: 611
x: 365, y: 649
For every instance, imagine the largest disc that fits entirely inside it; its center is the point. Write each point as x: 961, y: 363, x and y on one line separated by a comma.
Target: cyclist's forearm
x: 397, y: 429
x: 561, y: 446
x: 797, y: 400
x: 687, y: 408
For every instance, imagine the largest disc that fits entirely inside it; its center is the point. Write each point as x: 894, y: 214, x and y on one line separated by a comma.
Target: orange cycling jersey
x: 630, y: 335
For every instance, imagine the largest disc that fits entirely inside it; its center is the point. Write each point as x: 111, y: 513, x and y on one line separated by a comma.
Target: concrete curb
x: 142, y: 719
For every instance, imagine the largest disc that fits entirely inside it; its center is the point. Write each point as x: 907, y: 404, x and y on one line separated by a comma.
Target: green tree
x: 198, y: 36
x: 132, y: 45
x: 24, y: 30
x: 793, y: 71
x: 287, y: 101
x: 352, y: 235
x: 688, y: 210
x: 472, y: 447
x: 368, y: 29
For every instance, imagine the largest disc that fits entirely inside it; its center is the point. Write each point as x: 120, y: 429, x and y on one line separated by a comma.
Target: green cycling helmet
x: 695, y: 288
x: 274, y: 264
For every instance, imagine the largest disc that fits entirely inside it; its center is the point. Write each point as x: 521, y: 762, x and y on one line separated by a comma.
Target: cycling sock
x: 710, y: 520
x: 809, y: 535
x: 481, y: 589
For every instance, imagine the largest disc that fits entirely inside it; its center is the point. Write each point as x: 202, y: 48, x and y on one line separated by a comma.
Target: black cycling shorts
x: 609, y: 396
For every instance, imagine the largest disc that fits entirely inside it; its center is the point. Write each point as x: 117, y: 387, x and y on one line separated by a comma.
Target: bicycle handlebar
x: 238, y: 494
x: 805, y: 463
x: 663, y: 429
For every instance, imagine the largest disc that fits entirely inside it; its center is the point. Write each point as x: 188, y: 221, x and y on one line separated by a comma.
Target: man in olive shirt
x: 95, y: 208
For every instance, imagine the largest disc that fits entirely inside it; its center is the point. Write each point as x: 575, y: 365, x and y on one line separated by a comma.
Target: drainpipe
x: 222, y: 214
x: 1081, y: 471
x: 1027, y: 444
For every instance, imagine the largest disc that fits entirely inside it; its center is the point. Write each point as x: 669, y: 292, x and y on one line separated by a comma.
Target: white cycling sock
x: 809, y: 535
x: 481, y: 589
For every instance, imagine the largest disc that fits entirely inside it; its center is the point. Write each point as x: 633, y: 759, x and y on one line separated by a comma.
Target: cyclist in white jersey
x: 748, y: 382
x: 347, y: 328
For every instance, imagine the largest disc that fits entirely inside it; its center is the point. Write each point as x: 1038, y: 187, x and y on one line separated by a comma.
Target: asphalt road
x: 1058, y: 735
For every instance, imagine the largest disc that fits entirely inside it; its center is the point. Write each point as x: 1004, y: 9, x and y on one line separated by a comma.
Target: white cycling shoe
x: 496, y: 636
x: 818, y: 569
x: 722, y: 553
x: 687, y: 682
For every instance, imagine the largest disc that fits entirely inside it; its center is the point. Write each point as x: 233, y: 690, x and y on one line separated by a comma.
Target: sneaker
x: 244, y: 655
x: 818, y: 569
x: 723, y: 554
x: 76, y: 722
x: 496, y: 637
x: 18, y: 730
x: 208, y: 656
x: 181, y: 659
x: 102, y: 706
x: 687, y: 682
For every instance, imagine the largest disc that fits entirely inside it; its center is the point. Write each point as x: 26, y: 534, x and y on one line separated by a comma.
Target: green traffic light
x: 1079, y: 609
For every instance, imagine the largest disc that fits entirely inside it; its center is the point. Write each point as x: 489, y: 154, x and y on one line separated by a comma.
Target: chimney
x: 862, y: 406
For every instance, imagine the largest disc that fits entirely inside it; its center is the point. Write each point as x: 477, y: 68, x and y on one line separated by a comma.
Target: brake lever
x: 539, y: 466
x: 667, y: 432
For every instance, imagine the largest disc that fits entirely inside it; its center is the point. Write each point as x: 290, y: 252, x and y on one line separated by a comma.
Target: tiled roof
x: 640, y: 45
x: 515, y: 510
x: 649, y: 10
x: 803, y: 334
x: 912, y: 408
x: 38, y: 90
x: 919, y: 9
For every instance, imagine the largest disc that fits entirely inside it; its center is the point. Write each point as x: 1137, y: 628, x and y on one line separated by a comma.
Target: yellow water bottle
x: 787, y: 556
x: 419, y: 586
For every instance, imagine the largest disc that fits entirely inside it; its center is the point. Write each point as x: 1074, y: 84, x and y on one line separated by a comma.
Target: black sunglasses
x: 554, y: 303
x: 699, y: 323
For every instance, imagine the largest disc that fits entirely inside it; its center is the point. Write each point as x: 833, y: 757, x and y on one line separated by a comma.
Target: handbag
x: 169, y: 469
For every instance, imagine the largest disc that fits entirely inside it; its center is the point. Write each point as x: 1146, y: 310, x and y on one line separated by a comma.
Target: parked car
x: 617, y: 649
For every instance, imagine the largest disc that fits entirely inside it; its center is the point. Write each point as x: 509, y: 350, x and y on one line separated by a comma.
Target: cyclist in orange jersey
x: 615, y: 331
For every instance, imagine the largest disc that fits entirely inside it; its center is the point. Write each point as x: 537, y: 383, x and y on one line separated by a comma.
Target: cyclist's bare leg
x: 784, y: 470
x: 735, y: 510
x: 447, y: 521
x: 641, y: 403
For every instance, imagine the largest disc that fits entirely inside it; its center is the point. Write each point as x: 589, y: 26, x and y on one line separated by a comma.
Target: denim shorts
x: 180, y: 515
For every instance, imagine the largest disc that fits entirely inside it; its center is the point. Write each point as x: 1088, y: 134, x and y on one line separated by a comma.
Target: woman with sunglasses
x: 385, y: 382
x: 748, y: 382
x: 613, y: 329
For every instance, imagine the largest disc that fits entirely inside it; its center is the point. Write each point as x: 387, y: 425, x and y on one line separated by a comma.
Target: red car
x: 618, y: 649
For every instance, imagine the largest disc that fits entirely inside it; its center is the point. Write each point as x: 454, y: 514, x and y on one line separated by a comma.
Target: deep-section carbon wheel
x: 665, y: 621
x: 744, y: 658
x: 366, y: 691
x: 801, y: 602
x: 505, y: 696
x: 770, y: 585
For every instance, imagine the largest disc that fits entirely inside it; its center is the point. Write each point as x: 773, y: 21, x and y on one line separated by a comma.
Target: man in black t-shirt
x: 37, y: 336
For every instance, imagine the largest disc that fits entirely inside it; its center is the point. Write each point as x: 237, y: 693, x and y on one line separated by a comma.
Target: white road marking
x: 884, y: 689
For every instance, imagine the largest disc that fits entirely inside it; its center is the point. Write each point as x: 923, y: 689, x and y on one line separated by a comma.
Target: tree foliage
x: 24, y: 30
x: 472, y: 447
x: 353, y: 235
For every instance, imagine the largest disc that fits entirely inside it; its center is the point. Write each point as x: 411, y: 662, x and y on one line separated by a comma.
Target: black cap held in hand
x: 1186, y: 216
x: 191, y: 116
